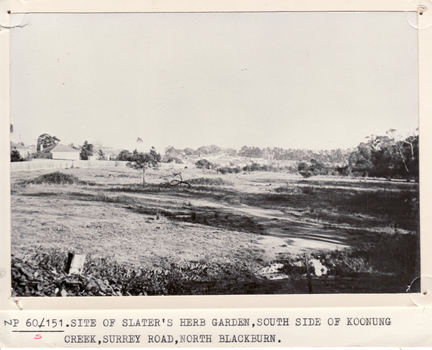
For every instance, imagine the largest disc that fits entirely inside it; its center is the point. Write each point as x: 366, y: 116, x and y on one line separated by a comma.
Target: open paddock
x: 254, y: 221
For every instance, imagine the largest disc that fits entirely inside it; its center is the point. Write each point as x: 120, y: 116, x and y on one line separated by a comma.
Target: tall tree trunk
x: 412, y: 149
x: 144, y: 177
x: 402, y: 157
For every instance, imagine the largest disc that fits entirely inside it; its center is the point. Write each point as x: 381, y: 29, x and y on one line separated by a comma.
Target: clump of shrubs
x: 204, y: 164
x: 314, y: 168
x: 56, y: 178
x: 265, y: 167
x: 255, y: 167
x: 228, y: 170
x: 208, y: 181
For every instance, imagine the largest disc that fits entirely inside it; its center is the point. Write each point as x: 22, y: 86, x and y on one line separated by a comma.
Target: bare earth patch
x: 109, y: 229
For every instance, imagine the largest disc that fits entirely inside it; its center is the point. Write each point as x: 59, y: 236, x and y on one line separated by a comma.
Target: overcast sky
x: 291, y: 80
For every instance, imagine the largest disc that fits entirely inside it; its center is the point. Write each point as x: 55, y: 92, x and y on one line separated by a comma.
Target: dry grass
x: 107, y: 228
x: 248, y: 219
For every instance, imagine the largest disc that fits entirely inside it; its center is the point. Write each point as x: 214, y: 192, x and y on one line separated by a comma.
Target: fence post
x: 309, y: 277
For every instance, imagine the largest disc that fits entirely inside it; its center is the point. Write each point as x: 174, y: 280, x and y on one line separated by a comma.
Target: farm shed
x: 65, y: 152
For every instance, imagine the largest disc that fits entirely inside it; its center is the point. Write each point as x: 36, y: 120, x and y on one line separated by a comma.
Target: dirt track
x: 283, y: 234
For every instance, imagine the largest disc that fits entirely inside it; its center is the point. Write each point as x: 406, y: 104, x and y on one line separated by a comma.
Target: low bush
x: 255, y: 167
x: 272, y: 168
x: 229, y: 170
x: 306, y: 173
x: 57, y: 178
x: 203, y: 164
x: 208, y: 181
x: 315, y: 168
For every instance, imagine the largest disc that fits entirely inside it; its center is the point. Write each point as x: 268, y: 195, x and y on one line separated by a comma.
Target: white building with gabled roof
x: 65, y: 152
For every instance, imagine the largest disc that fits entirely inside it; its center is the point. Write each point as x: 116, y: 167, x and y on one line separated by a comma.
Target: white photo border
x: 407, y: 301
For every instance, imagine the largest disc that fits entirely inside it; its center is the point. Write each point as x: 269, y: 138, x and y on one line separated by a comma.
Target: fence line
x: 64, y: 164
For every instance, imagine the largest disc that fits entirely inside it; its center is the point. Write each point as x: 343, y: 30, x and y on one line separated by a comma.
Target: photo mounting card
x: 215, y: 174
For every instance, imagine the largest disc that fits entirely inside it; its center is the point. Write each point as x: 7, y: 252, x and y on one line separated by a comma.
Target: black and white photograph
x: 214, y: 153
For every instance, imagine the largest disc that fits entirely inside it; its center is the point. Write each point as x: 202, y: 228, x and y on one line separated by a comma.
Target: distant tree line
x: 386, y: 156
x: 337, y: 156
x: 389, y: 156
x: 171, y: 151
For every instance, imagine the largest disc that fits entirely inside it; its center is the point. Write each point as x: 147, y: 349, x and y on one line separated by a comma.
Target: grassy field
x: 222, y: 234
